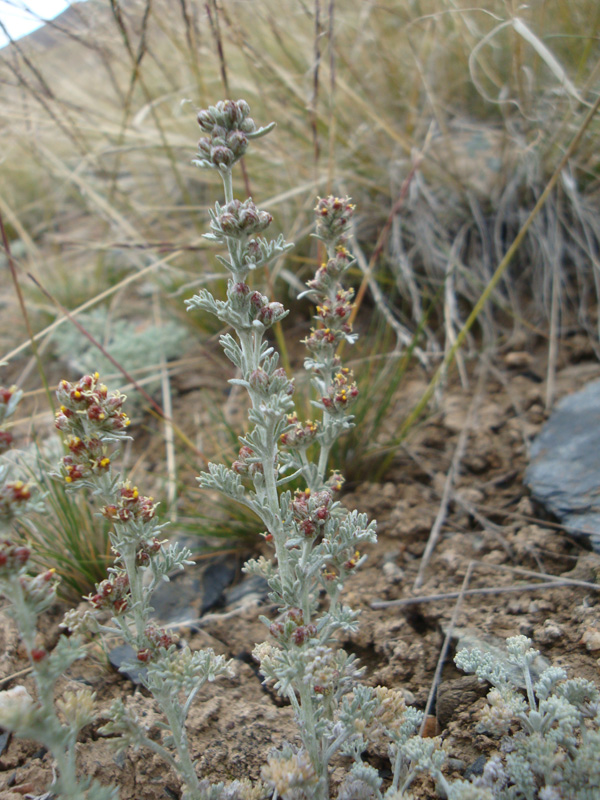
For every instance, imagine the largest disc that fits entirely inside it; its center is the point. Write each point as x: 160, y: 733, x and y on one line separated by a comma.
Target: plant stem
x: 175, y: 718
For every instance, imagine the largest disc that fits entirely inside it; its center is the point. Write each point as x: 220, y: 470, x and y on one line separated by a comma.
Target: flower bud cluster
x: 130, y: 505
x: 268, y: 384
x: 145, y: 551
x: 90, y: 416
x: 328, y: 275
x: 112, y: 593
x: 39, y: 589
x: 13, y: 557
x: 334, y: 215
x: 292, y: 628
x: 341, y: 393
x: 301, y: 436
x: 265, y: 312
x: 335, y: 481
x: 290, y: 774
x: 16, y: 708
x: 89, y: 411
x: 86, y: 457
x: 322, y: 343
x: 311, y: 510
x: 252, y: 306
x: 322, y: 671
x: 239, y: 220
x: 388, y: 717
x: 157, y: 639
x: 340, y: 311
x: 78, y: 706
x: 247, y: 464
x: 334, y: 307
x: 9, y: 399
x: 228, y: 125
x: 14, y: 500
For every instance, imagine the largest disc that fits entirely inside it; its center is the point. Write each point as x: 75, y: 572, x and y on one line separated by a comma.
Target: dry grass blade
x: 502, y: 266
x: 168, y: 410
x: 23, y: 307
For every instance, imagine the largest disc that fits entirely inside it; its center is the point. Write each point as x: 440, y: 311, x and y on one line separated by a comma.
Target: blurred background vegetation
x: 443, y: 120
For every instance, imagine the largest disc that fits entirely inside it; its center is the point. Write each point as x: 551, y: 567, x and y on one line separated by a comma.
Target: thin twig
x: 165, y: 384
x: 487, y: 590
x: 446, y: 646
x: 21, y: 673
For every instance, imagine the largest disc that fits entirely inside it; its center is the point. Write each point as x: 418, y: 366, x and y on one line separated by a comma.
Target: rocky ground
x: 461, y: 473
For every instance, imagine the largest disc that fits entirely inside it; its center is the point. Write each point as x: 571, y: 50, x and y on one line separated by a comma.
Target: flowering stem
x: 227, y: 178
x: 314, y: 538
x: 311, y: 741
x: 139, y: 606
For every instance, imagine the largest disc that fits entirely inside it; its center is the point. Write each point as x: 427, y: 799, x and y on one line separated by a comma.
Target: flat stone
x: 564, y: 471
x: 124, y: 654
x: 191, y: 593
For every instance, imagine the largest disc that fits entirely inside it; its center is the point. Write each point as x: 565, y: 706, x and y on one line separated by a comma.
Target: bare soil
x: 490, y: 526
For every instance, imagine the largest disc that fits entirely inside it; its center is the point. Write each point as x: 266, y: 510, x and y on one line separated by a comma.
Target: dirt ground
x: 490, y: 523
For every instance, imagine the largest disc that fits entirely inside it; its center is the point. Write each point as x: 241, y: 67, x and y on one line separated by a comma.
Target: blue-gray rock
x: 196, y: 590
x: 564, y: 472
x: 251, y: 587
x: 124, y: 654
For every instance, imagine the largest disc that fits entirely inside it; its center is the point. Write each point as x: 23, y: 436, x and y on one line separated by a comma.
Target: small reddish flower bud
x: 6, y: 440
x: 299, y: 635
x: 22, y: 555
x: 37, y: 655
x: 222, y: 156
x: 258, y: 300
x: 308, y: 528
x: 296, y: 615
x: 258, y: 379
x: 276, y: 629
x: 241, y: 289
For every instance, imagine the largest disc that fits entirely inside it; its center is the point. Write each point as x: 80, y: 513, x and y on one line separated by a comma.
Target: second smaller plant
x: 93, y: 422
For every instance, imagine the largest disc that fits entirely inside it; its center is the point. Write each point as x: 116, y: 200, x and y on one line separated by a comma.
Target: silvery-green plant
x: 553, y: 755
x: 93, y: 423
x: 54, y: 722
x: 317, y: 543
x: 134, y: 348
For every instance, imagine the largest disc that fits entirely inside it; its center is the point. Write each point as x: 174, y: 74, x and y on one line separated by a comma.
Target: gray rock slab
x: 564, y: 470
x: 191, y: 593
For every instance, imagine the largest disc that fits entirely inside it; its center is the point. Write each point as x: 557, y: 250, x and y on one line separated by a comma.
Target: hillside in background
x: 443, y: 121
